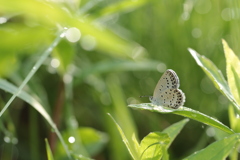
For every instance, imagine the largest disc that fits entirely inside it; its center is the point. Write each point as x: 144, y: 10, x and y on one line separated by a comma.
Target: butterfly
x: 167, y: 93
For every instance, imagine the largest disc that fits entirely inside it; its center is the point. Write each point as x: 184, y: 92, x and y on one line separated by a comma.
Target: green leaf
x: 186, y: 112
x: 174, y: 130
x: 153, y: 145
x: 215, y: 75
x: 131, y: 149
x: 234, y: 119
x: 233, y: 71
x: 49, y: 152
x: 217, y: 150
x: 135, y: 141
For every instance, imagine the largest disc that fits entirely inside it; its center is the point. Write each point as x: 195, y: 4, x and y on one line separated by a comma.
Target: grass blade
x: 33, y: 71
x: 233, y: 71
x: 130, y: 148
x: 49, y: 152
x: 8, y: 87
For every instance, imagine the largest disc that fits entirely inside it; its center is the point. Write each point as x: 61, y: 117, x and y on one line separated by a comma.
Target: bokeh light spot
x: 203, y: 6
x: 3, y: 20
x: 55, y: 63
x: 73, y: 34
x: 226, y: 14
x: 7, y: 139
x: 222, y: 100
x: 67, y: 78
x: 161, y: 67
x: 71, y: 139
x: 196, y: 33
x: 14, y: 140
x: 88, y: 42
x: 210, y: 132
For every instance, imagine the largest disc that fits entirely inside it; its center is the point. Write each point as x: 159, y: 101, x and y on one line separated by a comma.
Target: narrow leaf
x: 8, y: 87
x: 186, y: 112
x: 215, y: 75
x: 49, y: 152
x: 234, y: 119
x: 217, y: 150
x: 125, y: 140
x: 233, y: 71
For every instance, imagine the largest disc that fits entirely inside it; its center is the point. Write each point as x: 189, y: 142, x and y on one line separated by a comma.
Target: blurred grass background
x: 124, y: 48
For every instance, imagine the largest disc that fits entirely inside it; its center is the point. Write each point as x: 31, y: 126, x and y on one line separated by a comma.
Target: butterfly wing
x: 169, y: 80
x: 172, y: 98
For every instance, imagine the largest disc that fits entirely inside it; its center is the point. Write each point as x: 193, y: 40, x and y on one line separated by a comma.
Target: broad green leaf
x: 174, y: 130
x: 49, y: 152
x: 233, y: 71
x: 153, y: 145
x: 186, y: 112
x: 218, y: 150
x: 130, y: 148
x: 215, y: 75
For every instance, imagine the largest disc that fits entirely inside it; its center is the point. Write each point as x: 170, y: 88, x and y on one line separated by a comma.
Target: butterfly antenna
x: 144, y: 96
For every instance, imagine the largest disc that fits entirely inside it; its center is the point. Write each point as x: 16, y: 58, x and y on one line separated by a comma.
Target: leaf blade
x: 152, y: 146
x: 217, y: 150
x: 186, y: 112
x: 215, y: 75
x: 233, y: 71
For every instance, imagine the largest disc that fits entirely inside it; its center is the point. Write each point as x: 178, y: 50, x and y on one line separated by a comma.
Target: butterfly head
x: 150, y: 98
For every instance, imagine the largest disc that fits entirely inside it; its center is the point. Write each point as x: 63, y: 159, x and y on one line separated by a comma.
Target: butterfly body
x: 167, y: 93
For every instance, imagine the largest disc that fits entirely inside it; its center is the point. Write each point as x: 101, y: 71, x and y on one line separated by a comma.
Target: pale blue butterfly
x: 167, y: 93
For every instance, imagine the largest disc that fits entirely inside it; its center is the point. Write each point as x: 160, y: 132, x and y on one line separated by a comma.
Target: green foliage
x: 154, y: 145
x: 217, y: 150
x: 71, y: 85
x: 49, y: 152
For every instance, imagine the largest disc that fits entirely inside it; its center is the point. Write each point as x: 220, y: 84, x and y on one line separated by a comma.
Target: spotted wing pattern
x: 172, y: 98
x: 167, y: 93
